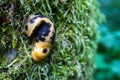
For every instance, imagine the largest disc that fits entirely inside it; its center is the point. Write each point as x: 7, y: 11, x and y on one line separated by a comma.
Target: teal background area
x: 107, y: 61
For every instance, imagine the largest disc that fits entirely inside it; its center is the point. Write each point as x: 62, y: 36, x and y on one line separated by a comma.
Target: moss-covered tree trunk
x: 72, y: 54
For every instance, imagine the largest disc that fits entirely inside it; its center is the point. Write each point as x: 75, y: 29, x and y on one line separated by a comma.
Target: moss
x: 74, y: 48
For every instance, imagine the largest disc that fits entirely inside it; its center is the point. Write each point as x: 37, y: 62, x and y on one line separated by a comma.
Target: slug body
x: 42, y: 30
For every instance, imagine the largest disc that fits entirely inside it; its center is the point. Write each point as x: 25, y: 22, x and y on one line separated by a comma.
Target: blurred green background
x: 108, y: 55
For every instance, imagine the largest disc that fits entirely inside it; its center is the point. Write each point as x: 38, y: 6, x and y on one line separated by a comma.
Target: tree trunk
x: 72, y: 54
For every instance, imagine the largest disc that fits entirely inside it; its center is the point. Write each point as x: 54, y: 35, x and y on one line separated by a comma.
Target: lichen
x: 73, y: 51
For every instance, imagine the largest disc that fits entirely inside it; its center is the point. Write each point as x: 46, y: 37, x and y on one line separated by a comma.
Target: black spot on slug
x: 33, y: 19
x: 44, y: 50
x: 44, y: 28
x: 41, y: 38
x: 42, y: 31
x: 46, y: 33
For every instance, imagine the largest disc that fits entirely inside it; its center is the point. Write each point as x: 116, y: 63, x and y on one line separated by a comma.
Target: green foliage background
x: 108, y: 57
x: 74, y: 48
